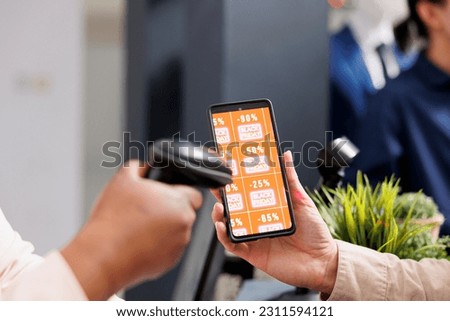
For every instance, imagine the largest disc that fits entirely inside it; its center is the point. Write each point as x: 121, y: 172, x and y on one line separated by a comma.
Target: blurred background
x: 61, y: 98
x: 79, y: 73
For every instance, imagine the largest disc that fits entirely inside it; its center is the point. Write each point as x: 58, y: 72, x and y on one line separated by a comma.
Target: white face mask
x: 392, y: 11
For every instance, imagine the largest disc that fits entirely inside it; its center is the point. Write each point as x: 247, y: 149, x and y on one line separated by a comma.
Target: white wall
x: 339, y: 17
x: 41, y: 128
x: 104, y: 89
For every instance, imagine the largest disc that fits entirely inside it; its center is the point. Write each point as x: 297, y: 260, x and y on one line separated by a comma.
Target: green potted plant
x: 425, y: 211
x: 380, y: 218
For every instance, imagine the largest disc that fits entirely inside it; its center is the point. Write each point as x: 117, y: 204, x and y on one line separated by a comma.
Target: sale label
x: 235, y: 202
x: 263, y: 198
x: 232, y: 164
x: 239, y: 231
x: 222, y: 135
x: 257, y: 164
x: 270, y: 227
x: 250, y: 131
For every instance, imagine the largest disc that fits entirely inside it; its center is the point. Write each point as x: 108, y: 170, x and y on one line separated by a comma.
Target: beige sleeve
x: 51, y: 279
x: 27, y: 276
x: 364, y: 274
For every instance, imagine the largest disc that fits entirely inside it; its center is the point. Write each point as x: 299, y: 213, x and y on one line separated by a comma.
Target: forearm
x: 364, y: 274
x: 94, y: 260
x: 86, y: 267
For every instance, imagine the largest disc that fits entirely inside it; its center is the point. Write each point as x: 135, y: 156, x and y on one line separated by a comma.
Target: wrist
x: 91, y: 262
x: 330, y: 270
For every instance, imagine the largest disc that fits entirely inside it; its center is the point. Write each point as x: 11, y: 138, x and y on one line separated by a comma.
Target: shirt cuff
x: 52, y: 279
x: 361, y: 274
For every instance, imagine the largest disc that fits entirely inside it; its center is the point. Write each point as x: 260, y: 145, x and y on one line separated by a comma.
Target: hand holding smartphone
x: 257, y: 203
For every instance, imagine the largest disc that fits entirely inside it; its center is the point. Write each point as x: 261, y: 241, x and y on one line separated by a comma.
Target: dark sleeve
x: 378, y: 136
x: 342, y: 114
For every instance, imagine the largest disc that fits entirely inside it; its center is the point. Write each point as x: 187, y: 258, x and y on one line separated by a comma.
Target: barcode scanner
x: 332, y: 162
x: 183, y: 162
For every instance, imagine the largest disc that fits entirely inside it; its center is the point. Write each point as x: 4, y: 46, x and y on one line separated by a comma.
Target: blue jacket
x: 406, y: 131
x: 350, y: 82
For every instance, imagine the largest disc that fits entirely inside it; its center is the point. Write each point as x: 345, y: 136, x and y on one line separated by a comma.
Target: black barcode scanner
x: 333, y: 159
x: 182, y: 162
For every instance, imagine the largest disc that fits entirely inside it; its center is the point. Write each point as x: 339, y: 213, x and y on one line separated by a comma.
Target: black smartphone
x: 257, y: 203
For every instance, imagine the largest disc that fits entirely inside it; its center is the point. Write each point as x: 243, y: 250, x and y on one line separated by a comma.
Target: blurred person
x: 363, y: 56
x: 406, y: 130
x: 311, y: 258
x: 137, y: 230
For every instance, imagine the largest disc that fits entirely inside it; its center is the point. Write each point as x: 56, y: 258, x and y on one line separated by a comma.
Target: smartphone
x: 257, y: 203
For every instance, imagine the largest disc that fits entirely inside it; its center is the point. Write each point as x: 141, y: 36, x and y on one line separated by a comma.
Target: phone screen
x: 257, y: 202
